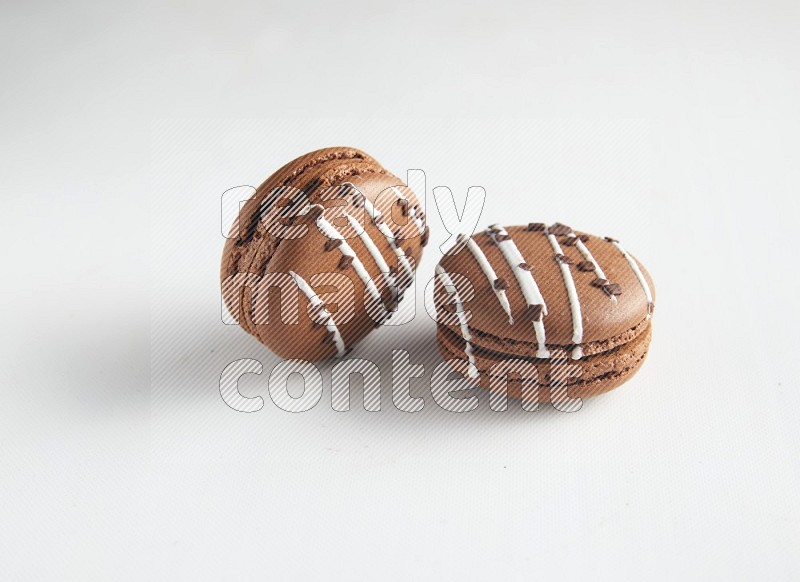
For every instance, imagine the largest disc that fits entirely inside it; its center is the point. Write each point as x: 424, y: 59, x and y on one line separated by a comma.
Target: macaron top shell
x: 344, y: 276
x: 586, y: 294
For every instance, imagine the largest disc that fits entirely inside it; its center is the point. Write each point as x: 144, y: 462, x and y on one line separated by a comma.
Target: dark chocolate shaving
x: 599, y: 282
x: 563, y: 259
x: 570, y: 241
x: 312, y: 186
x: 345, y: 262
x: 332, y: 243
x: 389, y: 298
x: 534, y: 312
x: 609, y: 239
x: 525, y: 267
x: 559, y: 228
x: 612, y: 289
x: 403, y: 206
x: 501, y: 237
x: 500, y: 284
x: 536, y: 226
x: 586, y: 266
x: 315, y: 211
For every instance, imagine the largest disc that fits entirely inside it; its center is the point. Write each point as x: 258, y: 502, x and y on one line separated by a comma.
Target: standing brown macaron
x: 545, y: 306
x: 322, y: 253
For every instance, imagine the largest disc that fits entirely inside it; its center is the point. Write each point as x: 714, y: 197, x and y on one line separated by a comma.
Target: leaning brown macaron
x: 543, y: 306
x: 322, y: 253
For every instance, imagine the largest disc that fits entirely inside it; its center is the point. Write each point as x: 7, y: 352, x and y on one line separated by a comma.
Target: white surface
x: 673, y: 126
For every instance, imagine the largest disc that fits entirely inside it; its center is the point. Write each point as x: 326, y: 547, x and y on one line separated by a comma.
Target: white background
x: 671, y: 125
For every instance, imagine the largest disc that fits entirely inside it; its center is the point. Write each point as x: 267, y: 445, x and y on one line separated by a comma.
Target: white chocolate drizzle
x: 639, y: 275
x: 587, y: 254
x: 527, y: 283
x: 450, y: 289
x: 376, y: 216
x: 330, y: 324
x: 574, y: 300
x: 332, y: 233
x: 487, y: 269
x: 383, y: 267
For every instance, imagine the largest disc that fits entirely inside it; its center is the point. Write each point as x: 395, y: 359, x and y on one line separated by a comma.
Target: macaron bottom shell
x: 583, y: 378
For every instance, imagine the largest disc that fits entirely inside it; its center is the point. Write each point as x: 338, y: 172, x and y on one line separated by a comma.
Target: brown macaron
x: 322, y: 253
x: 543, y: 306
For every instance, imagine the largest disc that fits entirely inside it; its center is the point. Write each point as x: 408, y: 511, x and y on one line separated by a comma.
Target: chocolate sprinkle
x: 564, y: 259
x: 586, y: 266
x: 559, y: 228
x: 534, y: 312
x: 403, y: 206
x: 315, y: 211
x: 332, y: 243
x: 536, y: 226
x: 612, y: 289
x: 500, y: 284
x: 345, y: 262
x: 389, y: 299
